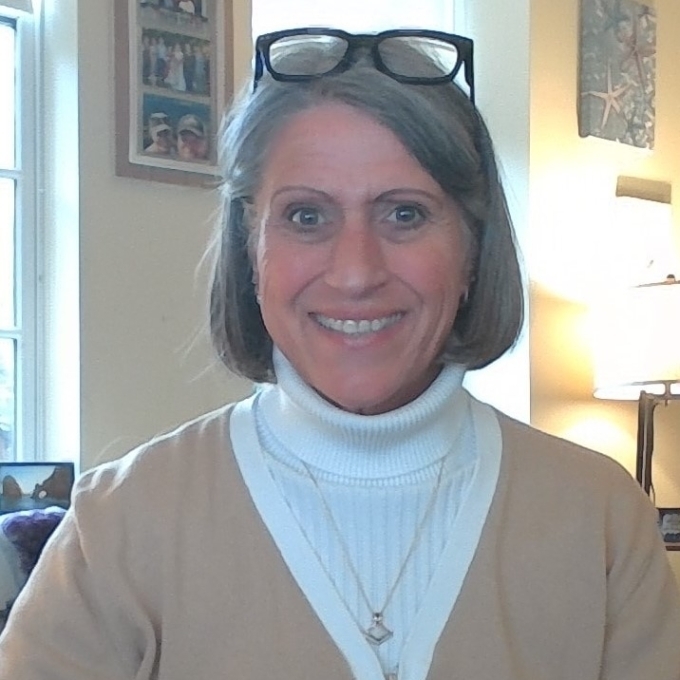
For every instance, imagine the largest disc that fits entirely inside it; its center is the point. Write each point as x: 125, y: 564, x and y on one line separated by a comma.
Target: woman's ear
x: 256, y: 285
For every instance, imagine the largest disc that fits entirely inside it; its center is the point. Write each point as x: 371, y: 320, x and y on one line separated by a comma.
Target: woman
x: 360, y: 516
x: 200, y: 81
x: 175, y: 77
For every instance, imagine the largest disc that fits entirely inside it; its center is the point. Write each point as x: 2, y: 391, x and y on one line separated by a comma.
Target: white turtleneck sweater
x: 386, y: 492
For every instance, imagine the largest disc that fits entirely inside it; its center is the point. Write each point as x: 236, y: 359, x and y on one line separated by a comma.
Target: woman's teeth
x: 357, y: 326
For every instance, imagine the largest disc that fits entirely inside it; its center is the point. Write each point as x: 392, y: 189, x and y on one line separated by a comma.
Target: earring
x: 256, y: 288
x: 465, y: 297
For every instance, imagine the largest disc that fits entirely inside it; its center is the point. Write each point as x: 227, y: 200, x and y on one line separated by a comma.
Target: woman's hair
x: 442, y: 129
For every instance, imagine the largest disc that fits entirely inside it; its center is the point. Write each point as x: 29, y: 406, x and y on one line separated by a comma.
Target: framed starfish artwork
x: 617, y: 71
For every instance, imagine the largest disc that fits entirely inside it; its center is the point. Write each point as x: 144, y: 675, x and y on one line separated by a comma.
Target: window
x: 18, y: 280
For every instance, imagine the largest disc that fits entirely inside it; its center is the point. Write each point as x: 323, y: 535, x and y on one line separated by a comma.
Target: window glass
x: 8, y: 402
x: 7, y: 109
x: 7, y: 250
x: 18, y: 255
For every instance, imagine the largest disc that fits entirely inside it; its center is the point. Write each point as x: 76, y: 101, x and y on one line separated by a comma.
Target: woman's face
x: 360, y: 259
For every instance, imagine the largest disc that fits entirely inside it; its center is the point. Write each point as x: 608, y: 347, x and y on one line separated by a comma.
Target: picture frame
x: 37, y: 485
x: 173, y: 77
x: 669, y: 525
x: 617, y: 71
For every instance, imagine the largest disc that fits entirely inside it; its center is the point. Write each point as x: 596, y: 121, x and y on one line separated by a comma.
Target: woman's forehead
x: 337, y: 140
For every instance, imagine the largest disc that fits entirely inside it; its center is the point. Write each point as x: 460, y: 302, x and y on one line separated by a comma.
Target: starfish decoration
x: 647, y: 14
x: 614, y: 15
x: 636, y: 52
x: 610, y: 97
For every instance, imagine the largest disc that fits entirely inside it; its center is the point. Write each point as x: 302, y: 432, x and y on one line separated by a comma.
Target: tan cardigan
x: 164, y: 570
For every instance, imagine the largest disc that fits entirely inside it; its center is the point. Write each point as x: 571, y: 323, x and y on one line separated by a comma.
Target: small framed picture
x: 30, y: 486
x: 669, y: 525
x: 173, y: 73
x: 617, y: 71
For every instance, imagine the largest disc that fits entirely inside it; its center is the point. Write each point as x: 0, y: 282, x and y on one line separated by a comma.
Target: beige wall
x: 572, y: 183
x: 145, y: 359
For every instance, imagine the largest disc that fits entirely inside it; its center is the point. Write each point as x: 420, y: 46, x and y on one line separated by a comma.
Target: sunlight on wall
x: 351, y: 15
x: 603, y: 429
x: 598, y: 241
x: 599, y: 434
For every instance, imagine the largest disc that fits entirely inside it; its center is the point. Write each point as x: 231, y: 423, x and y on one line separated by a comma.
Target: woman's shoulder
x: 194, y: 450
x: 166, y: 495
x: 549, y: 461
x: 588, y: 495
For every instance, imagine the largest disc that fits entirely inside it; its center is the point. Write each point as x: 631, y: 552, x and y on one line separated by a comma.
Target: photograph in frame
x: 669, y: 525
x: 35, y: 486
x: 173, y: 78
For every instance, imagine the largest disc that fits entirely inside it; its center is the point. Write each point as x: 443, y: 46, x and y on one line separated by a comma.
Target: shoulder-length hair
x: 444, y: 132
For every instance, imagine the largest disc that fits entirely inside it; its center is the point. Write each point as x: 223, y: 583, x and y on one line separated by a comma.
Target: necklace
x: 377, y: 632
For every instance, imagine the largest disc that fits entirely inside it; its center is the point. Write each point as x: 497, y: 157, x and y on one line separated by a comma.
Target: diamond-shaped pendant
x: 378, y: 632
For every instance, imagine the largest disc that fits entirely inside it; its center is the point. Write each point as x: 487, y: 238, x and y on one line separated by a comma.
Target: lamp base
x: 669, y: 518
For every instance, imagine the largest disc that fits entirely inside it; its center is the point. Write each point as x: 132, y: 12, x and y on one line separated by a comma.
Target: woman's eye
x: 407, y: 215
x: 306, y: 217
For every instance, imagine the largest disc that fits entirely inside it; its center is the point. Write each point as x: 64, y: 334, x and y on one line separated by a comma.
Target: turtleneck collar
x: 295, y: 422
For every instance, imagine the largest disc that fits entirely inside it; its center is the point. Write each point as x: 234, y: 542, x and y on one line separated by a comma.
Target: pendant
x: 378, y: 632
x: 391, y: 676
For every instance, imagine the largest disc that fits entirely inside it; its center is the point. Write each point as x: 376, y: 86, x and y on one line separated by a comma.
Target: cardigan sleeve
x: 78, y: 617
x: 643, y: 605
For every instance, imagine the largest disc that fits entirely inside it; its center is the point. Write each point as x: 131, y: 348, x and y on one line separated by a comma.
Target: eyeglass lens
x: 332, y: 50
x: 443, y: 55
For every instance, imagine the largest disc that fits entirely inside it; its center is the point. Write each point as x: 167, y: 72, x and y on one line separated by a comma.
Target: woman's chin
x: 366, y: 400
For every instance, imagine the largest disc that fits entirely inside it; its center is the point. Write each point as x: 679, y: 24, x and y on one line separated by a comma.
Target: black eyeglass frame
x: 355, y: 41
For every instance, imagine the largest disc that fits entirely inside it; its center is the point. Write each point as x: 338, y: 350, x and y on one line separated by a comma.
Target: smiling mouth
x: 357, y: 326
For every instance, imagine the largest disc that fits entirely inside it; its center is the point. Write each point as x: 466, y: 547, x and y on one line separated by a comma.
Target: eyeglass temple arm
x: 259, y: 68
x: 470, y: 74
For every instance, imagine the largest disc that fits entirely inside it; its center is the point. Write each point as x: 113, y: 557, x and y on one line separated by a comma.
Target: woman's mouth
x: 357, y: 326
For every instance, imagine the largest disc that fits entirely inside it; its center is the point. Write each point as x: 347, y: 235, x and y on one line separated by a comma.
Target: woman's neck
x: 295, y: 422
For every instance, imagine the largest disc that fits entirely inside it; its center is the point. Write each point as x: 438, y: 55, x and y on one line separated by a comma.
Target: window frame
x: 27, y: 435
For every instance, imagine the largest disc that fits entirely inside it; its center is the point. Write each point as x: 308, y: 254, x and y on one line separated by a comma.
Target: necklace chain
x: 377, y: 632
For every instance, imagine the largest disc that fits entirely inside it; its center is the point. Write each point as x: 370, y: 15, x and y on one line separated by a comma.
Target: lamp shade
x: 636, y: 341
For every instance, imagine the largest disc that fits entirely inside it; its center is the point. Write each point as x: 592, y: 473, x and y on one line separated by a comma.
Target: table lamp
x: 636, y: 356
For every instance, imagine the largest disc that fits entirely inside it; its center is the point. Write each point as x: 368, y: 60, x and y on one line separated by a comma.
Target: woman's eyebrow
x: 300, y: 187
x: 398, y: 193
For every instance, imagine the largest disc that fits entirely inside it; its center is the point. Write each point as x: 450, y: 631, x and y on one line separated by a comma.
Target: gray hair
x: 442, y: 129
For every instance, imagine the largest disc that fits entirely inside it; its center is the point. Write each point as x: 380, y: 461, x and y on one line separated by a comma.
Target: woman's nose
x: 357, y: 262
